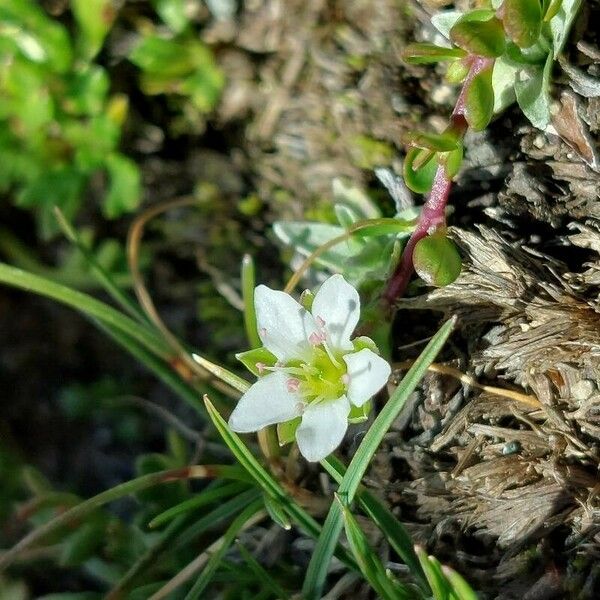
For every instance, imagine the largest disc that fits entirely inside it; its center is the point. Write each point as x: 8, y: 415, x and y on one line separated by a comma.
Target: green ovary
x: 322, y: 378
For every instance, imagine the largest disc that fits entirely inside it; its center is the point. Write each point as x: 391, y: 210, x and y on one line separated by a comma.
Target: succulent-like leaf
x: 479, y: 100
x: 436, y: 260
x: 420, y: 179
x: 439, y: 142
x: 533, y: 95
x: 425, y: 53
x: 479, y: 32
x: 522, y: 21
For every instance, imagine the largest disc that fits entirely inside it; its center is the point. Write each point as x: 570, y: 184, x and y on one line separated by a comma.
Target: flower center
x: 322, y: 378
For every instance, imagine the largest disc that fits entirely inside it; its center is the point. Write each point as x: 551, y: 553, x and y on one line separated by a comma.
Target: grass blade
x: 83, y: 303
x: 369, y: 563
x: 202, y: 499
x: 272, y: 487
x: 319, y: 562
x: 254, y: 510
x: 262, y: 575
x: 395, y: 533
x: 462, y: 590
x: 124, y: 489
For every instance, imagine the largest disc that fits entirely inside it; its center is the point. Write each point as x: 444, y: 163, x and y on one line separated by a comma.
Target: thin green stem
x: 248, y: 284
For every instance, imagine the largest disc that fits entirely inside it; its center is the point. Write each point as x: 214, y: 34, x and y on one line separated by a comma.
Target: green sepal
x: 522, y: 21
x: 359, y: 414
x: 436, y: 260
x: 286, y: 432
x: 479, y: 32
x: 420, y: 179
x: 479, y: 100
x: 362, y: 342
x: 306, y: 299
x: 425, y: 53
x: 251, y: 358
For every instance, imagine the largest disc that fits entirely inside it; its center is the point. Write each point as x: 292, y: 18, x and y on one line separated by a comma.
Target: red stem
x: 433, y: 214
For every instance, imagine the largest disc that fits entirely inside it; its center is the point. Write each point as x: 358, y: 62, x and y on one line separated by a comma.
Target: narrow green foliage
x: 462, y: 590
x: 392, y: 529
x: 319, y: 562
x: 479, y: 32
x: 216, y: 557
x: 437, y: 581
x: 439, y: 142
x: 479, y: 100
x: 94, y: 19
x: 248, y: 278
x: 424, y: 53
x: 204, y: 498
x: 522, y: 21
x: 436, y: 260
x: 369, y: 563
x: 277, y: 512
x: 419, y: 179
x: 262, y: 575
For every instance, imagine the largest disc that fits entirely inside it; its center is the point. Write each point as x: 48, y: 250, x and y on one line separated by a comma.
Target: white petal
x: 337, y: 303
x: 283, y: 325
x: 323, y: 428
x: 368, y: 373
x: 267, y: 402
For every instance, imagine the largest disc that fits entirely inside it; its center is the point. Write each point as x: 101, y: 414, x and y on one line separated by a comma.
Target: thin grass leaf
x: 462, y: 590
x: 261, y: 574
x: 394, y: 531
x: 215, y: 517
x: 248, y: 285
x: 119, y: 491
x: 272, y: 487
x: 206, y: 497
x: 98, y: 271
x: 83, y: 303
x: 319, y: 562
x: 228, y: 538
x: 433, y: 571
x: 369, y: 563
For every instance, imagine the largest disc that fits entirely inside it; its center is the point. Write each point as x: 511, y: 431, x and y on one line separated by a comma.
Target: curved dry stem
x: 187, y: 365
x: 470, y: 380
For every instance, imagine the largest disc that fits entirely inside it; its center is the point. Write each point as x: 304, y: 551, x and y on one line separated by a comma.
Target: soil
x: 506, y: 490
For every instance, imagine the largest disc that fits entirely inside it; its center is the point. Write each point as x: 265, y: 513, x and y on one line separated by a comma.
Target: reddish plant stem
x: 433, y: 214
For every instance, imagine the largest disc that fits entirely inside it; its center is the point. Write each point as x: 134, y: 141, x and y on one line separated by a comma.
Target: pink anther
x: 292, y: 385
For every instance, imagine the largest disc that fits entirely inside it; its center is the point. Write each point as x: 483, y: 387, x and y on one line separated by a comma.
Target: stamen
x: 316, y: 338
x: 345, y: 378
x: 292, y: 385
x: 262, y: 332
x: 320, y: 321
x: 260, y: 367
x: 331, y: 356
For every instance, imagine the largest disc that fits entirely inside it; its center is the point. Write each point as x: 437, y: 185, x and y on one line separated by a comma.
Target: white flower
x: 319, y: 374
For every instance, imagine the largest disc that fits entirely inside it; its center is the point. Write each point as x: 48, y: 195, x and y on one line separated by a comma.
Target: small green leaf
x: 436, y: 260
x: 419, y: 180
x: 173, y: 13
x: 561, y: 23
x: 457, y: 71
x: 452, y: 161
x: 522, y: 21
x: 479, y: 100
x: 438, y: 142
x: 286, y: 432
x: 425, y: 53
x: 444, y: 20
x: 82, y: 544
x: 479, y: 32
x: 504, y: 77
x: 256, y: 356
x: 124, y: 191
x: 94, y: 18
x: 533, y: 94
